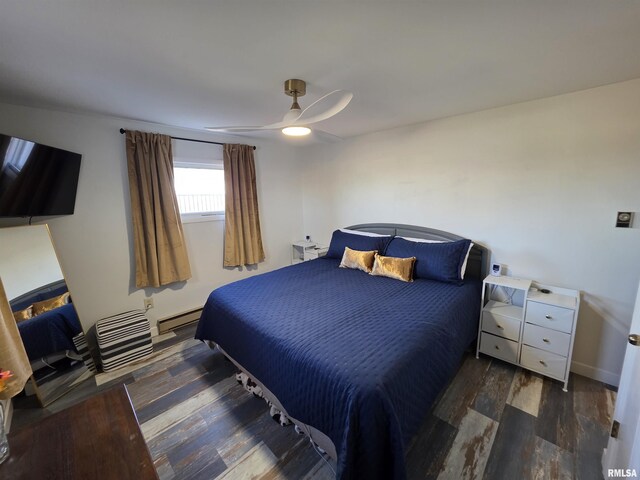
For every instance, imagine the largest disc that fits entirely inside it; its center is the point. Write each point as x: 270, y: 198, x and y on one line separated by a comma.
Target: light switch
x: 624, y: 219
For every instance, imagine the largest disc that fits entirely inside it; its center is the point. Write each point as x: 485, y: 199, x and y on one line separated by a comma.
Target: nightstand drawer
x: 315, y: 252
x: 502, y: 326
x: 546, y: 363
x: 549, y: 316
x: 499, y: 347
x: 546, y: 339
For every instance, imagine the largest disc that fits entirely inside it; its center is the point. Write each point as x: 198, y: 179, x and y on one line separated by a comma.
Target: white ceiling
x: 203, y: 63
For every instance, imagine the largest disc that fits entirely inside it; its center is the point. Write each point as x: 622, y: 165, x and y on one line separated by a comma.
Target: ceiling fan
x: 296, y: 121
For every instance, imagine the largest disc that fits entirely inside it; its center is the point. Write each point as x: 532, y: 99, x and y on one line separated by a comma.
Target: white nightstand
x: 521, y: 325
x: 302, y: 251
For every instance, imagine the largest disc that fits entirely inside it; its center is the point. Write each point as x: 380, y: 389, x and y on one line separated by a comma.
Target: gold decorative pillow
x: 22, y: 315
x: 393, y: 267
x: 358, y: 259
x: 50, y: 304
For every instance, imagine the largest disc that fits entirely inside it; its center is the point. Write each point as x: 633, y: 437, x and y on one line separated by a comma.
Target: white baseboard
x: 610, y: 378
x: 154, y: 331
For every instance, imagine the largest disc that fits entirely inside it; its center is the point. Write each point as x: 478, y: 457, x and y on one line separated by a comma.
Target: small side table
x: 315, y: 252
x: 302, y: 251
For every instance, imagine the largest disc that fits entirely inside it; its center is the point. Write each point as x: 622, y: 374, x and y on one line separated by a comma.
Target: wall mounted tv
x: 35, y: 179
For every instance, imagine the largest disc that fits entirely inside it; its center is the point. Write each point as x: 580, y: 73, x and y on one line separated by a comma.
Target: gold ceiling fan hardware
x: 295, y: 87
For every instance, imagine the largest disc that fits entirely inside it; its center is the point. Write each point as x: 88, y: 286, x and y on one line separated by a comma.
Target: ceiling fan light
x: 296, y: 131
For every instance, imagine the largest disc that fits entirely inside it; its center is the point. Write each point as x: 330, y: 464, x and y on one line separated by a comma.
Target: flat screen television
x: 35, y: 179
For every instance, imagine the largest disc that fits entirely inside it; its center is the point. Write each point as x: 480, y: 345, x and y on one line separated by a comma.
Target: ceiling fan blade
x: 272, y: 126
x: 234, y: 129
x: 325, y: 107
x: 325, y: 137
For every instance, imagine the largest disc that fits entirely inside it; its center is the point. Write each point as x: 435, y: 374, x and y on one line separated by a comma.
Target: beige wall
x: 95, y: 243
x: 538, y: 183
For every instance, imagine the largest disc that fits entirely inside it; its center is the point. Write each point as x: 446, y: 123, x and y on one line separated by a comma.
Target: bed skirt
x: 319, y: 438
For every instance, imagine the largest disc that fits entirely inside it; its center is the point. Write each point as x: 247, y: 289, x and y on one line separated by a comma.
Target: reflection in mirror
x: 43, y: 309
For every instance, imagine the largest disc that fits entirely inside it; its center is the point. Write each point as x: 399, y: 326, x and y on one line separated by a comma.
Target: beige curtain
x: 12, y: 354
x: 242, y: 237
x: 160, y: 250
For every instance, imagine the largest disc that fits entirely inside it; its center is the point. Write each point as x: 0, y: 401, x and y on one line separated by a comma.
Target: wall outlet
x: 148, y: 303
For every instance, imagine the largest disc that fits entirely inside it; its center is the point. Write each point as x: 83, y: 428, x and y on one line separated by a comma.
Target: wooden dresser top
x: 97, y: 438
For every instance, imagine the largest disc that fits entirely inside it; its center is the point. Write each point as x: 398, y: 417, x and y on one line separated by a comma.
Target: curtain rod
x: 122, y: 130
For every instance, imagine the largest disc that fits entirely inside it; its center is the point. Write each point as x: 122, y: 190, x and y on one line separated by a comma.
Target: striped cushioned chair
x: 123, y: 338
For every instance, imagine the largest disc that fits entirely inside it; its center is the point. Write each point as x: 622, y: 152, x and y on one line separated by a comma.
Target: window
x: 200, y: 191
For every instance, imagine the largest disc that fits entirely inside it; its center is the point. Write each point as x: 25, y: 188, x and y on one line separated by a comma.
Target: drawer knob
x: 543, y: 363
x: 500, y: 327
x: 497, y: 347
x: 547, y: 316
x: 546, y: 340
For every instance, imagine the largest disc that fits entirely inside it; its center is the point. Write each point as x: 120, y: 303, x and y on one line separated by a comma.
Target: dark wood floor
x: 494, y: 421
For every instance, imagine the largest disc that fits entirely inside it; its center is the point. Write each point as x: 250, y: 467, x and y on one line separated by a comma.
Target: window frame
x: 212, y: 216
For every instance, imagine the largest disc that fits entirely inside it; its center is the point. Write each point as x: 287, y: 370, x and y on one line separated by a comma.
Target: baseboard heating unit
x: 179, y: 320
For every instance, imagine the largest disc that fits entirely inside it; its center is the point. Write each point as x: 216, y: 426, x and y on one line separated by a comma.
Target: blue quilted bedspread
x: 50, y: 332
x: 359, y: 357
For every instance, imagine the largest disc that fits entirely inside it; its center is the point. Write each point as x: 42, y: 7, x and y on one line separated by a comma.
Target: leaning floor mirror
x: 43, y: 308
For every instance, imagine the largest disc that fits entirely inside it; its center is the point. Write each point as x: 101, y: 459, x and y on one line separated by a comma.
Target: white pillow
x: 366, y: 234
x: 422, y: 240
x: 463, y: 268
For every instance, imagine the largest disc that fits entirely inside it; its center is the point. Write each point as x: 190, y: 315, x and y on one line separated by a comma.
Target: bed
x: 52, y: 331
x: 356, y: 360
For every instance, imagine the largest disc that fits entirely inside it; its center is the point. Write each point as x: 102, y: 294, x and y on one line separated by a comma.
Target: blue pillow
x: 340, y: 240
x: 435, y: 261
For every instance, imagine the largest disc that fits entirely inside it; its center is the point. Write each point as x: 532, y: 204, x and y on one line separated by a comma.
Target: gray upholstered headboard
x: 476, y: 265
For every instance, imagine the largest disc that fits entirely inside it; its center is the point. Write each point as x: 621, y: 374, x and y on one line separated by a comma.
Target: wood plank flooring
x: 494, y: 421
